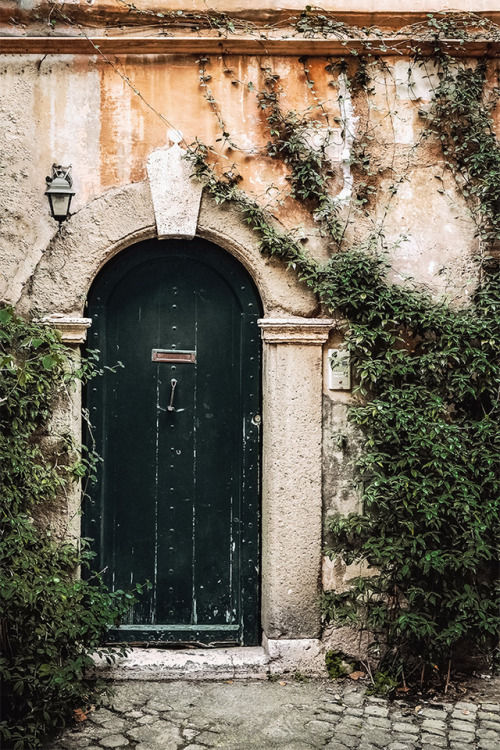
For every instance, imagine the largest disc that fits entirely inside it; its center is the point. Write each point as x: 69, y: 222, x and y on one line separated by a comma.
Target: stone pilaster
x: 291, y: 502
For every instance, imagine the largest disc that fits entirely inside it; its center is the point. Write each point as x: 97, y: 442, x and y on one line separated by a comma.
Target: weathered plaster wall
x: 79, y: 110
x: 86, y: 111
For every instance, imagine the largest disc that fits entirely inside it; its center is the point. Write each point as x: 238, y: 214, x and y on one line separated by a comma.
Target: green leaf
x: 48, y: 362
x: 5, y: 315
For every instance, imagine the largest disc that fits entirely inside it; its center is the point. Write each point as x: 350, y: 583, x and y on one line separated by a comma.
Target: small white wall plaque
x: 339, y: 370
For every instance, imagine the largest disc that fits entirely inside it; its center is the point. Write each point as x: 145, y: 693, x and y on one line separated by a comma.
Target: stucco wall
x: 105, y: 116
x: 78, y: 110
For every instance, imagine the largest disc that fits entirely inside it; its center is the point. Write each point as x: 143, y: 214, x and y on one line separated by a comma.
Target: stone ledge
x: 276, y: 657
x: 187, y: 664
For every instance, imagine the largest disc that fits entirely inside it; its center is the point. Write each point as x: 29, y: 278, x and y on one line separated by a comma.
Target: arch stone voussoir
x: 124, y: 216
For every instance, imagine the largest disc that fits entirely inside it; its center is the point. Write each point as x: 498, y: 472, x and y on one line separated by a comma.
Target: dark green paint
x: 177, y: 498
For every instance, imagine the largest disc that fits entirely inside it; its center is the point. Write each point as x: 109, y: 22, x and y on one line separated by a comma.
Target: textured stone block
x: 176, y: 194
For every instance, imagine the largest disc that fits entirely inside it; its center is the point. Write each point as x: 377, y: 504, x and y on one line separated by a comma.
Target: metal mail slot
x: 172, y: 355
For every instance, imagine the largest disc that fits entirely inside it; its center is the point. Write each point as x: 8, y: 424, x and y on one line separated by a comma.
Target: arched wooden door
x: 177, y: 497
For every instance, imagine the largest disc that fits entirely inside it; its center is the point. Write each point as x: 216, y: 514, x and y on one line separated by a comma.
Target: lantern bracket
x: 60, y: 171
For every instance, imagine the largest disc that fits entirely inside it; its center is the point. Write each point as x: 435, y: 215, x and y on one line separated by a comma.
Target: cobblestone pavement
x: 246, y: 715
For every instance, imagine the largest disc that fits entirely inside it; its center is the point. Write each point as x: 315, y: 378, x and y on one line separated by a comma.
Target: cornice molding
x: 137, y: 44
x: 259, y: 14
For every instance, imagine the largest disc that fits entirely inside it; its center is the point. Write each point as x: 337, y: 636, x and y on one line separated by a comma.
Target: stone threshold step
x: 189, y: 664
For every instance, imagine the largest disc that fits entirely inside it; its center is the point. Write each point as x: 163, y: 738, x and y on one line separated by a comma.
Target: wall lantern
x: 59, y: 192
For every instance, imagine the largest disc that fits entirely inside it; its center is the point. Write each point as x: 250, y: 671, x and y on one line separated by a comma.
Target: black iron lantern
x: 59, y: 192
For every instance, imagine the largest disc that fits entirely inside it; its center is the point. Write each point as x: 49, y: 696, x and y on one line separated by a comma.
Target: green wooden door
x: 177, y: 497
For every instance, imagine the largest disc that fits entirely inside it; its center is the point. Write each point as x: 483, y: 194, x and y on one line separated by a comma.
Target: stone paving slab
x: 286, y: 715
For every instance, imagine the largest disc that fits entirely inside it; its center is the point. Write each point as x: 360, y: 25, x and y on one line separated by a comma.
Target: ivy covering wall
x: 427, y: 369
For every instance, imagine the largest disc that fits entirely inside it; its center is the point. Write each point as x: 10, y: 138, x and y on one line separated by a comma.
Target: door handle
x: 173, y: 383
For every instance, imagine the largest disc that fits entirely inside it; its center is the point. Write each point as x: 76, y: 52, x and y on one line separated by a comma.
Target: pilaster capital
x: 296, y: 330
x: 73, y: 329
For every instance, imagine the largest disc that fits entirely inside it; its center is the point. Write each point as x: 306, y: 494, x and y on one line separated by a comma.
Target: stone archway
x: 293, y: 343
x: 120, y: 218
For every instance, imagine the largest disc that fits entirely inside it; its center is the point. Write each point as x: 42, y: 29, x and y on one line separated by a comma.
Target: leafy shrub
x: 430, y: 471
x: 50, y: 620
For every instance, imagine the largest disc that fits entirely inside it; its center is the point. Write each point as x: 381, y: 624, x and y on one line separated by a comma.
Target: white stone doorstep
x: 276, y: 657
x: 187, y: 664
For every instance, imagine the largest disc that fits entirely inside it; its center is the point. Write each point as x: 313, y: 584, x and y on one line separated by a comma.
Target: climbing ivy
x: 430, y: 469
x: 427, y: 379
x: 311, y: 171
x: 51, y: 621
x: 461, y: 118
